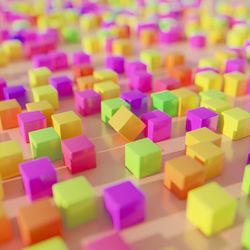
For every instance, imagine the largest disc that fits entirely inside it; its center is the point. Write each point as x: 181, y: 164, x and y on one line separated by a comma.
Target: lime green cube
x: 143, y: 158
x: 71, y: 34
x: 245, y: 238
x: 110, y: 106
x: 77, y: 200
x: 45, y: 142
x: 166, y: 102
x: 152, y: 58
x: 246, y: 180
x: 211, y: 94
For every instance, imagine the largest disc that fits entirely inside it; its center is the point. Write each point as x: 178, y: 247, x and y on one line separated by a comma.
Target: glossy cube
x: 39, y: 76
x: 63, y: 85
x: 207, y: 80
x: 141, y: 81
x: 107, y: 89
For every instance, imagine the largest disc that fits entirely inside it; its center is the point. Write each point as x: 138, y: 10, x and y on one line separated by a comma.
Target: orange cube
x: 182, y: 74
x: 82, y: 70
x: 174, y: 59
x: 183, y: 174
x: 85, y: 82
x: 9, y: 110
x: 5, y: 226
x: 39, y: 221
x: 148, y: 37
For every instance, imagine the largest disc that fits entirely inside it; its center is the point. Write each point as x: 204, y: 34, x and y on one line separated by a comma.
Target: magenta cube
x: 158, y: 125
x: 41, y: 60
x: 138, y: 101
x: 248, y: 157
x: 109, y: 44
x: 201, y: 117
x: 197, y: 41
x: 63, y: 85
x: 133, y: 67
x: 166, y: 83
x: 17, y: 92
x: 59, y: 60
x: 141, y: 81
x: 115, y: 63
x: 79, y: 154
x: 236, y: 64
x: 125, y: 203
x: 3, y: 84
x: 38, y: 177
x: 110, y: 242
x: 87, y: 102
x: 30, y: 121
x: 80, y: 57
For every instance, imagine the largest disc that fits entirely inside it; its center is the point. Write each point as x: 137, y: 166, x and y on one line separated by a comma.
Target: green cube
x: 110, y: 106
x: 245, y: 239
x: 143, y: 158
x: 45, y: 142
x: 212, y: 93
x: 246, y: 180
x: 166, y: 102
x: 77, y: 200
x: 71, y: 34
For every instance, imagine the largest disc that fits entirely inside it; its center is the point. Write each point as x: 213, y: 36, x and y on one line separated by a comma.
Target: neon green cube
x: 245, y: 239
x: 246, y: 180
x: 77, y: 200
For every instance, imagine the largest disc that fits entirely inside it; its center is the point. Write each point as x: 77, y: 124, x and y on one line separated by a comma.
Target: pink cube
x: 109, y: 44
x: 38, y: 178
x: 133, y: 67
x: 236, y: 64
x: 30, y: 121
x: 158, y: 125
x: 59, y: 60
x: 79, y: 154
x: 110, y: 242
x: 115, y: 63
x: 63, y: 85
x: 80, y: 57
x: 197, y: 41
x: 141, y: 81
x: 87, y: 102
x: 41, y: 60
x: 166, y: 83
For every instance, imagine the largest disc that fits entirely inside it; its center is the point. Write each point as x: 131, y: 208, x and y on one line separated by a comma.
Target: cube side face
x: 132, y: 161
x: 246, y: 180
x: 245, y: 239
x: 5, y: 229
x: 8, y: 118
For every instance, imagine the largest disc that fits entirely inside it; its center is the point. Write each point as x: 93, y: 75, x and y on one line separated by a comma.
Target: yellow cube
x: 210, y: 155
x: 152, y: 58
x: 222, y: 56
x: 10, y: 157
x: 126, y: 123
x: 107, y: 89
x: 211, y: 208
x: 89, y: 21
x: 122, y: 47
x: 216, y: 36
x: 187, y: 99
x: 236, y: 123
x: 207, y: 80
x: 67, y: 124
x: 1, y: 190
x: 105, y: 74
x: 235, y: 38
x: 202, y: 135
x: 208, y: 63
x: 4, y: 57
x: 13, y: 49
x: 85, y: 82
x: 47, y: 93
x: 236, y: 84
x: 39, y: 76
x: 91, y: 44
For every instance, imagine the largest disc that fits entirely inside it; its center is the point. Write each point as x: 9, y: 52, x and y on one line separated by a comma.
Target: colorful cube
x: 82, y: 70
x: 38, y: 178
x: 3, y: 84
x: 107, y: 89
x: 246, y: 180
x: 91, y: 44
x: 39, y: 76
x: 41, y: 60
x: 105, y: 75
x: 152, y: 58
x: 67, y: 124
x: 30, y: 121
x: 36, y: 225
x: 47, y: 93
x: 63, y: 85
x: 174, y: 59
x: 127, y: 211
x: 126, y: 124
x: 187, y: 100
x: 109, y: 108
x: 59, y: 60
x: 5, y: 228
x: 85, y: 82
x: 134, y: 67
x: 212, y: 94
x: 166, y: 83
x: 182, y: 74
x: 4, y: 58
x: 183, y: 174
x: 143, y: 158
x: 13, y: 49
x: 122, y: 47
x: 202, y: 135
x: 115, y: 63
x: 211, y: 208
x: 158, y: 125
x: 45, y: 142
x: 141, y: 81
x: 201, y: 117
x: 80, y: 207
x: 10, y: 157
x: 166, y: 102
x: 9, y: 110
x: 207, y: 80
x: 80, y: 57
x: 210, y: 155
x: 236, y: 123
x: 245, y: 240
x: 79, y: 154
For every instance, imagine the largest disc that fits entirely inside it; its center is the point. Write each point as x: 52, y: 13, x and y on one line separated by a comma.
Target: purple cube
x: 201, y: 117
x: 125, y: 203
x: 135, y: 66
x: 158, y: 125
x: 115, y: 63
x: 87, y: 102
x: 38, y: 178
x: 59, y: 60
x: 30, y: 121
x: 17, y: 92
x: 236, y: 64
x: 80, y: 57
x: 142, y: 81
x: 137, y: 100
x: 42, y: 60
x: 248, y: 158
x: 63, y: 85
x: 3, y: 84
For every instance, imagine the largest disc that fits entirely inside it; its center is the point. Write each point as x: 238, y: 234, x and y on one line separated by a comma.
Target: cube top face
x: 37, y: 168
x: 114, y: 103
x: 202, y: 113
x: 106, y: 86
x: 57, y: 80
x: 31, y: 116
x: 217, y: 105
x: 150, y: 53
x: 105, y: 74
x: 208, y: 74
x: 183, y: 93
x: 212, y: 93
x: 9, y: 148
x: 133, y: 96
x: 88, y: 93
x: 44, y: 90
x: 155, y: 115
x: 212, y: 196
x: 235, y: 76
x: 123, y: 194
x: 14, y: 91
x: 236, y: 114
x: 163, y: 96
x: 73, y: 191
x: 42, y: 105
x: 9, y: 104
x: 40, y: 71
x: 65, y: 117
x: 143, y: 147
x: 43, y: 136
